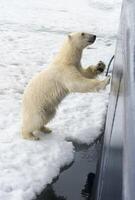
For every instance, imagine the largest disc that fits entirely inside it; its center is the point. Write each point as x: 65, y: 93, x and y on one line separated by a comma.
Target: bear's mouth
x: 91, y: 41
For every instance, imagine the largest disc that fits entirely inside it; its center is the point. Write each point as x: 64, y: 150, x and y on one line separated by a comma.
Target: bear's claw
x: 100, y: 66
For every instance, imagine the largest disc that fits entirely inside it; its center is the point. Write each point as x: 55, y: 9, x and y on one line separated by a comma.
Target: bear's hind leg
x: 29, y: 136
x: 45, y: 129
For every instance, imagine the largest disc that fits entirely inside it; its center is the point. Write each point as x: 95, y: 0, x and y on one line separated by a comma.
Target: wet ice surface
x: 30, y: 35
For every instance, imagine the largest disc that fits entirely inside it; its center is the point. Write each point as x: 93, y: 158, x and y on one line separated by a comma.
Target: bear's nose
x: 94, y: 37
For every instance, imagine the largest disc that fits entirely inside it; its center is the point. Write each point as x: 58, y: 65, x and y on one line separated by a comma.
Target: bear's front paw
x: 106, y: 81
x: 100, y: 67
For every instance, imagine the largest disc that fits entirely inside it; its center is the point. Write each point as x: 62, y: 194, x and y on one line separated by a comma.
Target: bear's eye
x: 82, y: 34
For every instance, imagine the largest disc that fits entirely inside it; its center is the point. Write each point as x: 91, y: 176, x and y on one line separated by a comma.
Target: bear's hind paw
x: 45, y: 130
x: 30, y: 136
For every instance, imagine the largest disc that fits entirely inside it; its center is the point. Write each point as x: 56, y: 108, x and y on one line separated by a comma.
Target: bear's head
x: 81, y: 40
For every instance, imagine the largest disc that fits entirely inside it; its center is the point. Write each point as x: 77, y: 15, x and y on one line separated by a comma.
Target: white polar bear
x: 64, y: 75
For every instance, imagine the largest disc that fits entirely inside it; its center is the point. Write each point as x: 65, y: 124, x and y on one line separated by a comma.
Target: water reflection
x: 71, y: 184
x: 87, y: 190
x: 49, y: 194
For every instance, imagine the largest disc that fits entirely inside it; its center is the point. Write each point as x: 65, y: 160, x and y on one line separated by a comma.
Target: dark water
x: 75, y: 181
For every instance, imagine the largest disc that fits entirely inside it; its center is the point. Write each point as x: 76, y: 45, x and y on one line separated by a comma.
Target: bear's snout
x: 92, y: 38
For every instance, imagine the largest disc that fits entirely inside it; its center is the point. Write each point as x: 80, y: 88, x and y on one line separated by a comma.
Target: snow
x: 82, y: 120
x: 30, y: 34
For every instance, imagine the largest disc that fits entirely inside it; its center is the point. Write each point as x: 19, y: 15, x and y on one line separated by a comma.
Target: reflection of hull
x: 116, y: 179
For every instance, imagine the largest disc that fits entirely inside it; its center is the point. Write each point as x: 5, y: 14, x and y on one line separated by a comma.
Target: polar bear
x: 63, y: 76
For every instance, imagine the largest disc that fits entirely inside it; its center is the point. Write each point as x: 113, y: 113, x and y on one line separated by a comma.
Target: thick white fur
x: 63, y: 76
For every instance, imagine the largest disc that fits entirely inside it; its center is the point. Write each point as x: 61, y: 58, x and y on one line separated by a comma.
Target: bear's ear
x: 69, y: 37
